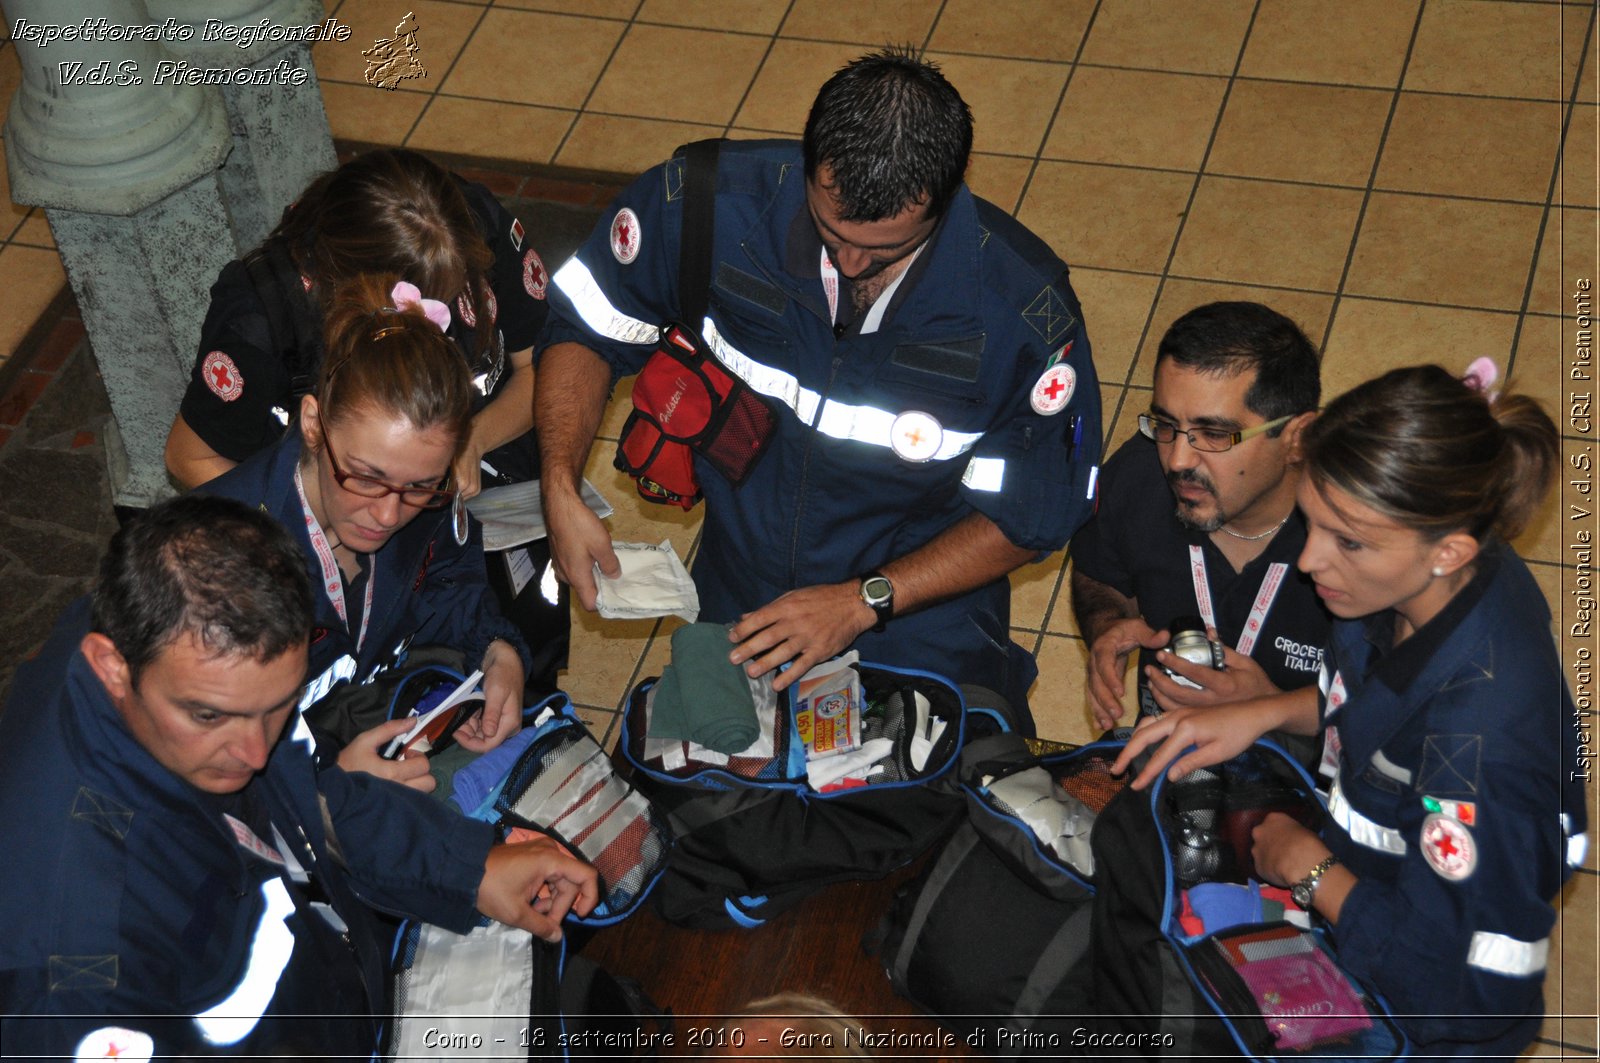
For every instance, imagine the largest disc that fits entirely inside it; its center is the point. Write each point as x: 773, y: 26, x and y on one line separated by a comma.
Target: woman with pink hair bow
x: 366, y: 486
x: 393, y: 212
x: 1457, y: 806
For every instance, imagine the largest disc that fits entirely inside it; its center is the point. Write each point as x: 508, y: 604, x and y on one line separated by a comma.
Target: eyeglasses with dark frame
x: 1210, y: 440
x: 371, y: 487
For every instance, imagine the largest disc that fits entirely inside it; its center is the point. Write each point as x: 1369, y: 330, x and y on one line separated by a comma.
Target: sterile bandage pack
x: 654, y: 582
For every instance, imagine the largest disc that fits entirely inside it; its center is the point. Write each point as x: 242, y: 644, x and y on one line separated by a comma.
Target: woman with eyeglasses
x: 1457, y: 807
x: 366, y: 486
x: 391, y: 211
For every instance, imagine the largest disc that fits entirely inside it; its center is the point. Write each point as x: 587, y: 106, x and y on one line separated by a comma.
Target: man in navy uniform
x: 937, y: 413
x: 1197, y: 519
x: 179, y: 882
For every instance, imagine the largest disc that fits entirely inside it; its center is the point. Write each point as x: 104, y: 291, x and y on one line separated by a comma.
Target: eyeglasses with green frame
x: 372, y: 487
x: 1210, y: 440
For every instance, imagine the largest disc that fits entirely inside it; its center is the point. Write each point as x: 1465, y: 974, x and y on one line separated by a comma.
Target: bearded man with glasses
x: 1197, y: 519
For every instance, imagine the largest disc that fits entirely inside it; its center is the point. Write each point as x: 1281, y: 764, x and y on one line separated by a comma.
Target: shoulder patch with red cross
x: 1053, y: 390
x: 625, y: 236
x: 534, y: 277
x: 1448, y: 847
x: 222, y: 376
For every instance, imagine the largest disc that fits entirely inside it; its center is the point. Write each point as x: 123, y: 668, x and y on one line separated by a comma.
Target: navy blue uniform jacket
x: 980, y: 316
x: 1486, y: 721
x: 127, y: 901
x: 429, y: 589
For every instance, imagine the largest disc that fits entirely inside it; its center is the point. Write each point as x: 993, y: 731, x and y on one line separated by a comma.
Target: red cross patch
x: 625, y: 236
x: 1448, y: 847
x: 468, y: 316
x: 1053, y: 390
x: 534, y: 278
x: 222, y: 376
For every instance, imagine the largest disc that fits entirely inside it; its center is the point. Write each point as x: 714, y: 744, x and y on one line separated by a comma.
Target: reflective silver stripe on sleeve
x: 341, y: 669
x: 1390, y: 769
x: 860, y: 424
x: 1577, y: 844
x: 1507, y: 955
x: 579, y: 285
x: 985, y: 474
x: 1094, y: 476
x: 1363, y: 831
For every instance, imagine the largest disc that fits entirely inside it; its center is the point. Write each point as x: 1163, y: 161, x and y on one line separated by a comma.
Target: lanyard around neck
x: 1271, y: 583
x: 874, y: 318
x: 332, y: 577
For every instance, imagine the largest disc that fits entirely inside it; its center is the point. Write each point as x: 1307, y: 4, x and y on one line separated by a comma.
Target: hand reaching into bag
x: 534, y: 884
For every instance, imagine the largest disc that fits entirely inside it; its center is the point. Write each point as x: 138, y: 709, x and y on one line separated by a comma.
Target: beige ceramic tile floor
x: 1412, y: 180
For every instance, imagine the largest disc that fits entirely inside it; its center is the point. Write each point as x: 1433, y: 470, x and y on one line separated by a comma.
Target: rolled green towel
x: 666, y: 708
x: 703, y: 697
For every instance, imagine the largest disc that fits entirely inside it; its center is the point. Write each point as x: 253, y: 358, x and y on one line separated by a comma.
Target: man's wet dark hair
x: 1226, y: 339
x: 893, y: 132
x: 211, y: 567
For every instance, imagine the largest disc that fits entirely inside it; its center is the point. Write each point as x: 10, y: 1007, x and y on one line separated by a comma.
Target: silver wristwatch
x: 1303, y: 890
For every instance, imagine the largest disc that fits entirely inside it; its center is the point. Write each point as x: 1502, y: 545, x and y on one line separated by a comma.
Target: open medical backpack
x: 498, y: 990
x: 1092, y: 955
x: 751, y: 836
x: 1017, y: 982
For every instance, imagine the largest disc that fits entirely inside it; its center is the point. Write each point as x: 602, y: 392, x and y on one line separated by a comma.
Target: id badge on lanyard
x: 332, y: 578
x: 1271, y: 583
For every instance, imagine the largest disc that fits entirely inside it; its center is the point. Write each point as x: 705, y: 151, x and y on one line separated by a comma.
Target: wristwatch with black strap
x: 878, y: 593
x: 1306, y: 888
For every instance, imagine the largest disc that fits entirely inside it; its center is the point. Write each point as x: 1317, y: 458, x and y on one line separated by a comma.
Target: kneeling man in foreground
x: 178, y: 881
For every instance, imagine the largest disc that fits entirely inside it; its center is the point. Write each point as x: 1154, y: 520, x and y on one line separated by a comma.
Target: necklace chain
x: 1261, y: 535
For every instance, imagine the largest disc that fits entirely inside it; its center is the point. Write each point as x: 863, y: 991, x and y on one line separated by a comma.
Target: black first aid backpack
x: 1268, y: 991
x: 515, y: 994
x: 1015, y: 983
x: 752, y: 838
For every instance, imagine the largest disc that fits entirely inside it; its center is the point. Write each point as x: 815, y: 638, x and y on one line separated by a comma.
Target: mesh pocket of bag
x: 734, y: 446
x: 565, y: 785
x: 1089, y: 779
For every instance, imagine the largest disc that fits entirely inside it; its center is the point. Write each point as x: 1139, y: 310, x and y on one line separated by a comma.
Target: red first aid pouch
x: 685, y: 402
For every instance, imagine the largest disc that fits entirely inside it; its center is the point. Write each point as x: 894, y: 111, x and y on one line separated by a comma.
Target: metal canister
x: 1192, y: 646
